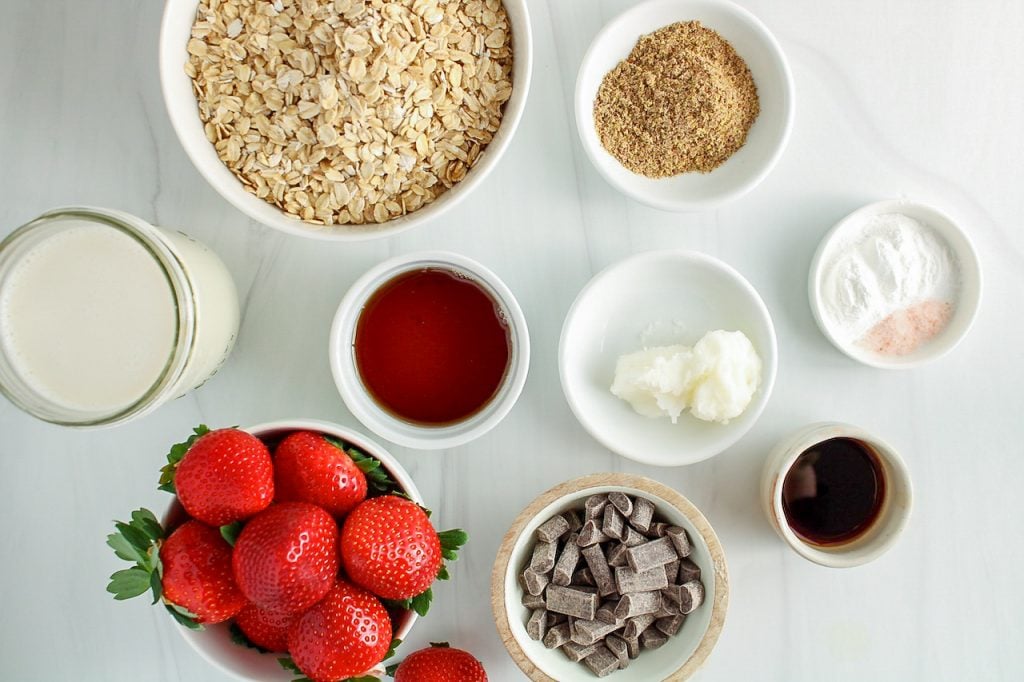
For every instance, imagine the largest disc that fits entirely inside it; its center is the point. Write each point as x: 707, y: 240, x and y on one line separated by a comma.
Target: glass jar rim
x: 15, y: 245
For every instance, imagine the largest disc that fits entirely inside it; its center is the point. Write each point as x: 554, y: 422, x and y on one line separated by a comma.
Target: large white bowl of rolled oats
x: 345, y: 119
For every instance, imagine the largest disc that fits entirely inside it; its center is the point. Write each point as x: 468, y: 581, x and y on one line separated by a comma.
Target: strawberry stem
x: 138, y: 541
x: 175, y: 456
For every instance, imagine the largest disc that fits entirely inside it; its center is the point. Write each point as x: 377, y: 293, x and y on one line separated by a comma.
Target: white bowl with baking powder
x: 766, y: 140
x: 965, y: 305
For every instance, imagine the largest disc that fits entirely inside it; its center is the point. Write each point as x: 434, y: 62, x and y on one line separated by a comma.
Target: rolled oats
x: 350, y: 111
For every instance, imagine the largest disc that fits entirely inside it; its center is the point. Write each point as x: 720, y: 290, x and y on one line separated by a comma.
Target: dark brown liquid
x: 432, y: 347
x: 834, y: 491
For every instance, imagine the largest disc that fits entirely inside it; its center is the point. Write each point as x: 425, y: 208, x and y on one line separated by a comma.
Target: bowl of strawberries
x: 291, y: 547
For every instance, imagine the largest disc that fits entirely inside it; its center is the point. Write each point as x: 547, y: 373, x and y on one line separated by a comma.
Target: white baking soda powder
x: 891, y: 286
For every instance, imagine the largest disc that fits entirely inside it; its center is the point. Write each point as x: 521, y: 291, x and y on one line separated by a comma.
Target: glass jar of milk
x: 103, y: 317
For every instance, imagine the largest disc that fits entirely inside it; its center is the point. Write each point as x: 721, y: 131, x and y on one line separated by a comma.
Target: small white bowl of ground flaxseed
x: 684, y: 105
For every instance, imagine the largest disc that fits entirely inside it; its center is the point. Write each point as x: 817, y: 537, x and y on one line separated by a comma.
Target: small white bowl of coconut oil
x: 895, y: 284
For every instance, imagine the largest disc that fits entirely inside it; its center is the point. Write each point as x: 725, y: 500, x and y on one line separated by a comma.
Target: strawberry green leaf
x: 391, y: 669
x: 377, y: 477
x: 440, y: 645
x: 175, y: 456
x: 451, y: 541
x: 239, y: 638
x: 128, y: 583
x: 144, y: 520
x: 124, y: 549
x: 137, y: 538
x: 230, y: 532
x: 139, y: 543
x: 288, y: 664
x: 421, y: 602
x: 184, y: 616
x: 392, y: 648
x: 156, y: 585
x: 364, y: 678
x: 443, y: 573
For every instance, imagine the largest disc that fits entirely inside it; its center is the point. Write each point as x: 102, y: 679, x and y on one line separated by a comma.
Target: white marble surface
x: 918, y: 97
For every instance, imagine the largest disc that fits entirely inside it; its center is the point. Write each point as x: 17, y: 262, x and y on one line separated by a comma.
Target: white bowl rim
x: 769, y: 371
x: 965, y: 252
x: 685, y: 205
x: 239, y: 198
x: 782, y: 457
x: 350, y: 436
x: 640, y: 485
x: 363, y: 407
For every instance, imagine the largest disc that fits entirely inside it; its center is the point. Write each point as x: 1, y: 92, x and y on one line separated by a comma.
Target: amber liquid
x: 432, y: 347
x: 834, y: 491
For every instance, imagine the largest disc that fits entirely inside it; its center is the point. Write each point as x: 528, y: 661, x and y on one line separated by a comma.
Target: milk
x: 102, y: 321
x: 87, y: 318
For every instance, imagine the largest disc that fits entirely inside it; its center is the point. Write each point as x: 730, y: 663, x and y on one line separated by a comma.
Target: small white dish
x: 682, y: 656
x: 214, y: 643
x: 693, y: 294
x: 767, y: 137
x: 180, y: 101
x: 965, y: 308
x: 361, y: 403
x: 892, y: 517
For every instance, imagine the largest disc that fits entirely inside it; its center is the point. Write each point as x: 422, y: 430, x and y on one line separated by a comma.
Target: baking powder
x: 891, y: 286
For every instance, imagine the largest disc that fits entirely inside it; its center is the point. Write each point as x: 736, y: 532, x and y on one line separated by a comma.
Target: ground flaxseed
x: 682, y: 101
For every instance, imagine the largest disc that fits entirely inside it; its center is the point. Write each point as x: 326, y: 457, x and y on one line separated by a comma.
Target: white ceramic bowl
x: 684, y: 653
x: 891, y: 520
x: 357, y: 398
x: 685, y: 294
x: 766, y: 139
x: 968, y: 301
x: 181, y: 107
x: 214, y: 643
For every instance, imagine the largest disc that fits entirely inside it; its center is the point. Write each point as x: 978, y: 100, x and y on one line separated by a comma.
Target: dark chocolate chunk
x: 552, y: 529
x: 643, y: 514
x: 537, y: 625
x: 567, y: 561
x: 572, y: 602
x: 622, y: 502
x: 627, y: 580
x: 650, y: 554
x: 602, y: 662
x: 598, y: 565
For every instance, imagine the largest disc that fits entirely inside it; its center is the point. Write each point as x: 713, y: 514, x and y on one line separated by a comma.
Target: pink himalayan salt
x: 907, y: 330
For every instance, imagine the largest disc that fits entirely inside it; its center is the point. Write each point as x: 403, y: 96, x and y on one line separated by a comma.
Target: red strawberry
x: 220, y: 476
x: 310, y: 468
x: 344, y: 635
x: 197, y: 584
x: 286, y: 558
x: 266, y: 629
x: 197, y: 573
x: 440, y: 663
x: 389, y: 547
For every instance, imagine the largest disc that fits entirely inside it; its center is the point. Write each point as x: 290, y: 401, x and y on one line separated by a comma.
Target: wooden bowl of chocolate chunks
x: 610, y: 575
